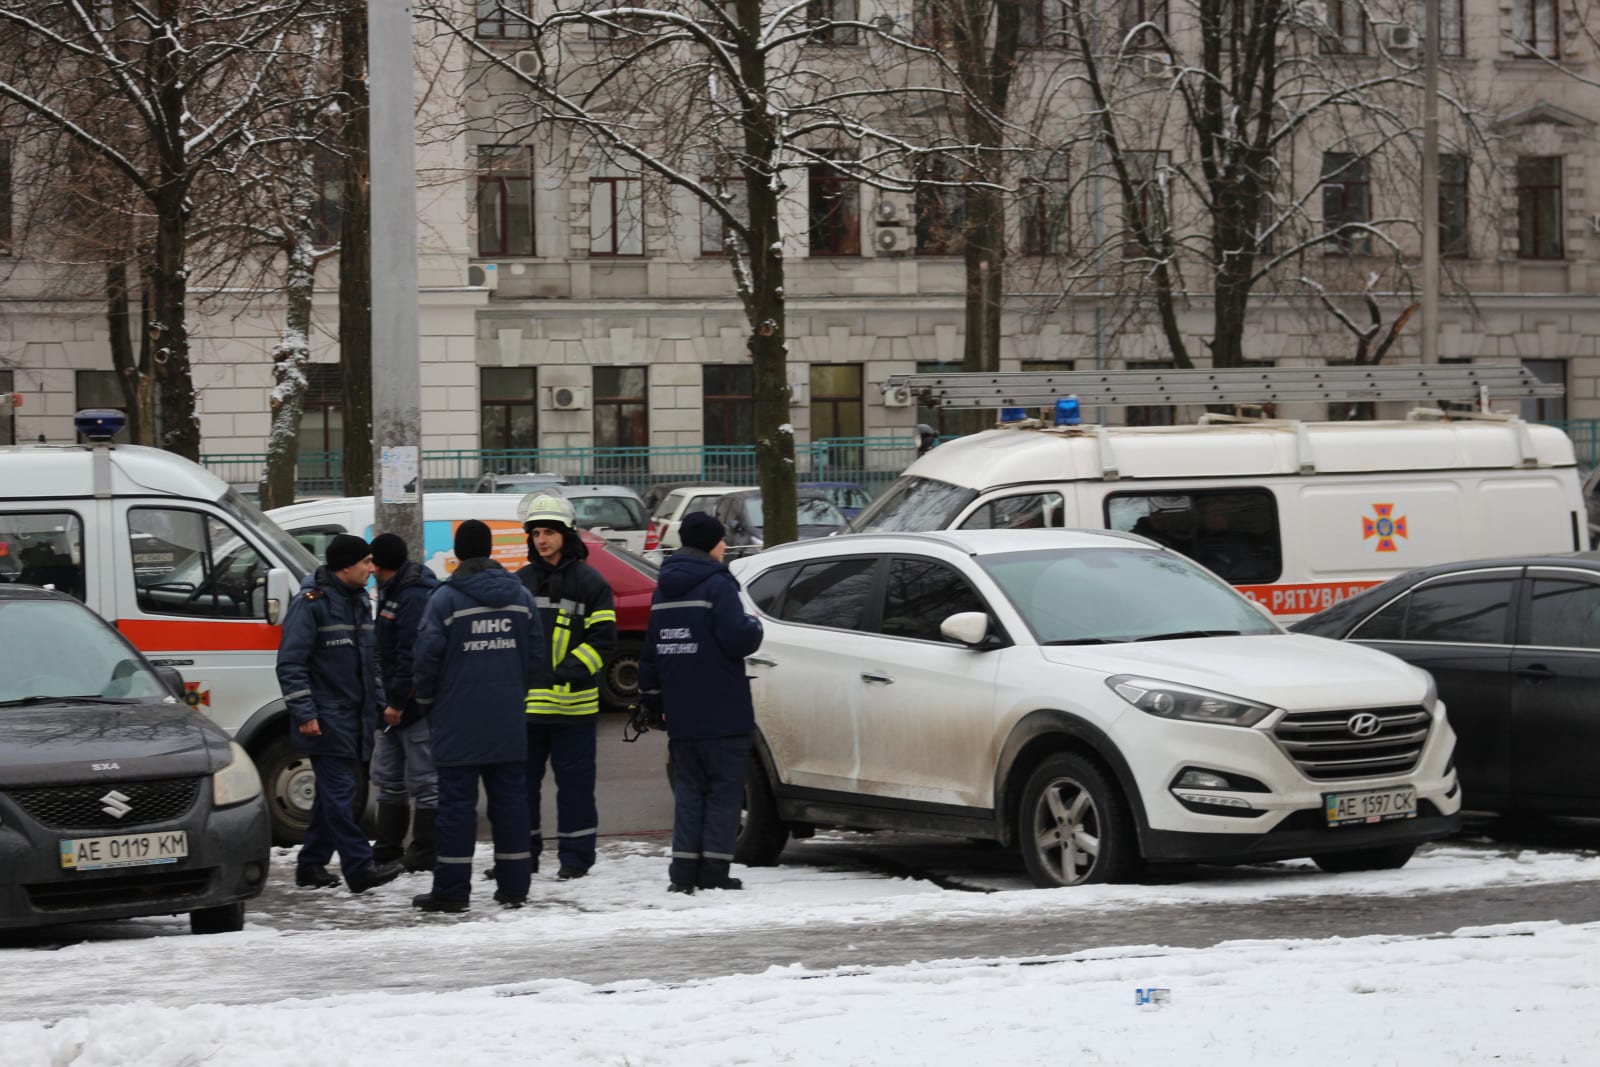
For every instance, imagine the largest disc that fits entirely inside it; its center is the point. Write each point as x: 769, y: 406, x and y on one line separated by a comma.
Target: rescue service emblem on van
x: 1385, y: 527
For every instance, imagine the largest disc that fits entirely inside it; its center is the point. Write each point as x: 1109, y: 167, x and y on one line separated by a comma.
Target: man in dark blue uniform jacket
x: 692, y: 669
x: 479, y: 652
x: 328, y: 671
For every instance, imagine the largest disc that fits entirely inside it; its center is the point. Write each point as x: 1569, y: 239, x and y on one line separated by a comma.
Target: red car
x: 633, y: 583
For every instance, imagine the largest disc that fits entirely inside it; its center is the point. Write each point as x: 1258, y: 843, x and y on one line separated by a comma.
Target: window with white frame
x: 1346, y: 29
x: 504, y: 20
x: 616, y: 213
x: 735, y: 196
x: 1346, y: 202
x: 505, y: 200
x: 1535, y: 24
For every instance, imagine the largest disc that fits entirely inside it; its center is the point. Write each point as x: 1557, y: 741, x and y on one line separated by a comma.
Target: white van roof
x: 29, y: 471
x: 454, y: 506
x: 1073, y: 453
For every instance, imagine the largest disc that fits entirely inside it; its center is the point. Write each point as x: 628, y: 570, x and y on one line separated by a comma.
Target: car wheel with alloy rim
x: 1074, y: 826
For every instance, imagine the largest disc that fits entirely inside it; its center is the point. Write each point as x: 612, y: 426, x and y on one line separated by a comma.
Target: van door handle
x: 1535, y: 672
x: 757, y: 661
x: 876, y: 676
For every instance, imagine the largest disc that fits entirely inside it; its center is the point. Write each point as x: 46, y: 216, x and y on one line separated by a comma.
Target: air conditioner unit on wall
x: 898, y: 396
x: 886, y: 211
x: 569, y: 398
x: 528, y: 63
x: 888, y: 240
x: 484, y: 275
x: 1401, y: 38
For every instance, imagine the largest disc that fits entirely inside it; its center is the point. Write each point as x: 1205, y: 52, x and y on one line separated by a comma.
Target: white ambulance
x: 1296, y: 515
x: 187, y: 569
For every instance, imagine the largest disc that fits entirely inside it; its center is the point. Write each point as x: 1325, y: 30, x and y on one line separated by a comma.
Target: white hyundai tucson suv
x: 1091, y: 698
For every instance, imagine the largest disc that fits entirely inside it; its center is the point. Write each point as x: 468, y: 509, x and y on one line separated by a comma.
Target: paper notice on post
x: 398, y: 478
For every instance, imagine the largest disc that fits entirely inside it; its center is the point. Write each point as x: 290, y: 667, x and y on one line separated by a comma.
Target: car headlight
x: 1170, y: 701
x: 237, y: 782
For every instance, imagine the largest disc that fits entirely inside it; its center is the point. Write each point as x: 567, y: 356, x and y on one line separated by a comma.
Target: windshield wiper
x: 62, y: 700
x: 1179, y: 635
x: 1082, y: 641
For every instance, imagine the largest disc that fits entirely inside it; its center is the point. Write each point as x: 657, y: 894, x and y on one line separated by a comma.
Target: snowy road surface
x: 324, y: 978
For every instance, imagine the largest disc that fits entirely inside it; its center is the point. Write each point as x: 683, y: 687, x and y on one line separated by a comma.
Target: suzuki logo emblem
x: 116, y: 804
x: 1364, y: 725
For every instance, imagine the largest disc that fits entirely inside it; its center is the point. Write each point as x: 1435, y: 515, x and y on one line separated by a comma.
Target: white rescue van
x: 190, y: 571
x: 1296, y: 515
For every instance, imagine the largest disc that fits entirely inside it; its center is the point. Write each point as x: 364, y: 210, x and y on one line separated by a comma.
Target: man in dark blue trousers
x: 479, y: 652
x: 692, y: 669
x: 328, y: 671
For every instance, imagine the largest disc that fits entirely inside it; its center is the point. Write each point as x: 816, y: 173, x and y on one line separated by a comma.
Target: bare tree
x: 189, y: 75
x: 727, y: 104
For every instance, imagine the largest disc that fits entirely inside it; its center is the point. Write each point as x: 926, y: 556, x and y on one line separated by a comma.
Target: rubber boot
x: 422, y: 854
x: 393, y: 819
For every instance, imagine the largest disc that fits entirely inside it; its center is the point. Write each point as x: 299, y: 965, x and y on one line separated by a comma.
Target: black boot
x: 393, y: 819
x: 429, y: 902
x: 308, y: 876
x: 372, y: 875
x: 421, y: 856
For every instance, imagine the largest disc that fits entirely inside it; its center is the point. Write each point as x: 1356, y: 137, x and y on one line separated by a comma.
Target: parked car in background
x: 849, y: 497
x: 615, y: 512
x: 1514, y: 646
x: 1093, y: 699
x: 632, y: 578
x: 742, y: 514
x: 116, y: 798
x: 680, y: 502
x: 517, y: 483
x: 653, y: 495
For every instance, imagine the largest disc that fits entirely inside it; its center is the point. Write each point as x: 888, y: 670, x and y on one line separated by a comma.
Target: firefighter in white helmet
x: 576, y: 608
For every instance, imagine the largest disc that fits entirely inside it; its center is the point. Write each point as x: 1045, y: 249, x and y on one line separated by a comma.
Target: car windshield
x: 816, y: 511
x: 615, y: 512
x: 1106, y: 595
x: 35, y: 634
x: 753, y: 513
x: 294, y: 555
x: 913, y: 505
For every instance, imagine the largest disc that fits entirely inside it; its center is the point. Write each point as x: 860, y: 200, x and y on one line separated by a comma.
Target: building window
x: 321, y: 423
x: 930, y: 26
x: 835, y: 210
x: 508, y: 409
x: 505, y: 201
x: 8, y: 411
x: 1043, y: 24
x: 735, y: 196
x: 1546, y: 408
x: 616, y: 215
x: 327, y: 206
x: 1151, y: 14
x: 1452, y: 205
x: 1046, y: 212
x: 1346, y: 30
x: 1539, y: 207
x: 931, y: 413
x: 621, y: 407
x: 504, y: 20
x: 5, y: 198
x: 941, y: 209
x: 836, y: 405
x: 1452, y: 32
x: 1147, y: 171
x: 1536, y: 27
x: 99, y: 389
x: 1152, y: 414
x: 1346, y: 202
x: 729, y: 404
x: 831, y: 22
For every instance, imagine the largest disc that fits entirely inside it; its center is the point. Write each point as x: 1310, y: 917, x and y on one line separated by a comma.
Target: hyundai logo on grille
x: 115, y: 804
x: 1364, y: 725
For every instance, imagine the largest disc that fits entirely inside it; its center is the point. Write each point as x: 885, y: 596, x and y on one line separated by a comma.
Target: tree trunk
x: 289, y: 359
x: 169, y: 287
x: 355, y: 256
x: 129, y: 370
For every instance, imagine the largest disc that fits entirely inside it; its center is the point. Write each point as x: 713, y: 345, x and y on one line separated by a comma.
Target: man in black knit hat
x: 402, y: 757
x: 328, y: 670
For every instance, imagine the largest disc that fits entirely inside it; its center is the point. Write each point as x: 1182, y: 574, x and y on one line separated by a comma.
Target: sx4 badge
x: 1385, y: 527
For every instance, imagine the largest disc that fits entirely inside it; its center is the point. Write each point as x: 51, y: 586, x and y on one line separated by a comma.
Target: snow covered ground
x: 1524, y: 993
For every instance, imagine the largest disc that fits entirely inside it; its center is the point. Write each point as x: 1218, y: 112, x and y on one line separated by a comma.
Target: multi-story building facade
x: 551, y: 273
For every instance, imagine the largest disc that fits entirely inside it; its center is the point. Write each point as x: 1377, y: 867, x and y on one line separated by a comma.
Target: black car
x: 1514, y: 646
x: 116, y: 798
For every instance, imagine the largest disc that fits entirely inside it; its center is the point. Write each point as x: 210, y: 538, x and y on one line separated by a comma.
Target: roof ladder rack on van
x: 1242, y: 385
x: 1528, y: 456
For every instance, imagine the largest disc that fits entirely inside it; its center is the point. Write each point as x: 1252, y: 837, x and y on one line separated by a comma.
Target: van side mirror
x: 172, y: 680
x: 970, y: 628
x: 280, y: 590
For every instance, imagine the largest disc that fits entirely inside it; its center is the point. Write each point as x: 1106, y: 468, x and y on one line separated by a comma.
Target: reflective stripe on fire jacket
x: 582, y: 623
